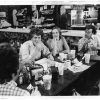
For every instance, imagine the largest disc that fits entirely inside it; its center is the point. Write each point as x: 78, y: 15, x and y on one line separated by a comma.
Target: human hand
x: 91, y: 46
x: 53, y: 53
x: 88, y: 41
x: 23, y: 69
x: 50, y: 57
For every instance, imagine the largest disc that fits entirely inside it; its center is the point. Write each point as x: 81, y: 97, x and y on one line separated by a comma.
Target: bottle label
x: 20, y: 80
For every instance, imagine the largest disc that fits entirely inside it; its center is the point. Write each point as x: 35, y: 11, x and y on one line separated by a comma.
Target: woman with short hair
x: 34, y: 48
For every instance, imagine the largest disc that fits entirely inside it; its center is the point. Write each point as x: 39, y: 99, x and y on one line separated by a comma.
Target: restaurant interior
x: 16, y: 22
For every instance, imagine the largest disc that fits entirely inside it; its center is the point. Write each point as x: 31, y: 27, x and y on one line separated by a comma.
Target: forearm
x: 65, y: 51
x: 66, y: 46
x: 49, y: 56
x: 28, y: 59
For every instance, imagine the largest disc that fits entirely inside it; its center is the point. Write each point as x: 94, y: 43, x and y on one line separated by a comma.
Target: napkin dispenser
x: 37, y: 71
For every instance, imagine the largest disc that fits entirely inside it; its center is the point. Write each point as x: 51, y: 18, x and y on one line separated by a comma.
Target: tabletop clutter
x: 44, y: 75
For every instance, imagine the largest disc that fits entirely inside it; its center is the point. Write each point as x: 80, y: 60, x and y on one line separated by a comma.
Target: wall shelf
x: 48, y: 18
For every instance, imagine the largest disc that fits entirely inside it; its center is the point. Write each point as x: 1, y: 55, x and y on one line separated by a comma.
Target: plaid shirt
x: 93, y: 43
x: 11, y: 89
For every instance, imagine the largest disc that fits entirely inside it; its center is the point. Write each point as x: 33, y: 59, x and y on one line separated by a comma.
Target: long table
x: 87, y: 82
x: 76, y: 33
x: 63, y: 85
x: 14, y: 30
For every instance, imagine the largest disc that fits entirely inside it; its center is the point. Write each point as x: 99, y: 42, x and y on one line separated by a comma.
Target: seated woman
x: 32, y: 49
x: 89, y: 43
x: 58, y: 43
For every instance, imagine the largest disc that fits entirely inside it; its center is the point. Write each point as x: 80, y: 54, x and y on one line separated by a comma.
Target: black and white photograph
x: 50, y: 48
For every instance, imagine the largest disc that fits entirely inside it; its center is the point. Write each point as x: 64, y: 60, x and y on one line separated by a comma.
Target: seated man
x: 33, y: 49
x: 88, y: 44
x: 9, y: 72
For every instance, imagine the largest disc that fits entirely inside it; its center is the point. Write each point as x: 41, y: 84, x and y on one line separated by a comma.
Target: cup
x: 55, y: 74
x: 61, y: 56
x: 72, y: 52
x: 61, y: 69
x: 87, y: 58
x: 47, y: 81
x: 68, y: 63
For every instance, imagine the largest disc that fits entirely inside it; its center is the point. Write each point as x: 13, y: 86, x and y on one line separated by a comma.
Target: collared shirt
x: 29, y: 51
x: 57, y: 45
x: 93, y: 43
x: 11, y: 89
x: 97, y: 36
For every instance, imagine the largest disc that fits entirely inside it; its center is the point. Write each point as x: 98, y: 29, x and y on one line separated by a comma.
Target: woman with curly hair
x: 34, y: 48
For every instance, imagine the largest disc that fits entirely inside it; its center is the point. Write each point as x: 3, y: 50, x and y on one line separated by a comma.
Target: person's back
x: 9, y: 72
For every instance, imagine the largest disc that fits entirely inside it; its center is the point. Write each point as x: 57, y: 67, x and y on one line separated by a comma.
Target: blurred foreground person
x: 9, y: 72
